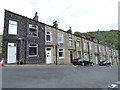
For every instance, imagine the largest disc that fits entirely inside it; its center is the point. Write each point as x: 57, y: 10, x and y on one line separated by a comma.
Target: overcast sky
x: 81, y: 15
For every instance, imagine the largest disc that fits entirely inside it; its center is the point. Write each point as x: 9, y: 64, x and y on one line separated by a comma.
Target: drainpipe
x: 75, y: 50
x: 88, y: 50
x: 56, y: 53
x: 21, y: 46
x: 106, y: 52
x: 98, y: 53
x: 82, y: 48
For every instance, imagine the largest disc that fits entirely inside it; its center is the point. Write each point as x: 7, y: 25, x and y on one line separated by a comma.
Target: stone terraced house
x: 39, y: 43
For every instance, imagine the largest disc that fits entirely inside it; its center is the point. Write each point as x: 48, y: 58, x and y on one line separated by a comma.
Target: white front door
x: 11, y: 53
x: 48, y: 56
x: 96, y: 60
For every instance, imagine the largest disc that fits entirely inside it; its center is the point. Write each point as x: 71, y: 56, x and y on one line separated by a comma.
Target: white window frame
x: 103, y: 49
x: 114, y: 53
x: 106, y: 49
x: 36, y: 51
x: 96, y: 48
x: 70, y: 41
x: 12, y: 27
x: 30, y: 26
x: 100, y: 49
x: 62, y: 52
x: 109, y: 52
x: 50, y: 36
x: 90, y: 46
x: 85, y: 46
x: 78, y: 40
x: 60, y: 36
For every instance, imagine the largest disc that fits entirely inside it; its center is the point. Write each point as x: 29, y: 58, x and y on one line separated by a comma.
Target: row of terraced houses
x: 38, y: 43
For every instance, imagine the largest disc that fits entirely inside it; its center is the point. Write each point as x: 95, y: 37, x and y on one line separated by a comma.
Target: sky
x: 80, y: 15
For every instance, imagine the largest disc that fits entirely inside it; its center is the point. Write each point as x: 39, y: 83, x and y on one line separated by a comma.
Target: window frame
x: 70, y: 41
x: 33, y: 28
x: 60, y: 36
x: 106, y: 49
x: 11, y: 24
x: 62, y: 52
x: 78, y: 40
x: 96, y: 49
x: 50, y: 36
x: 36, y: 49
x: 79, y: 54
x: 85, y: 46
x: 100, y: 49
x: 90, y: 45
x: 109, y: 52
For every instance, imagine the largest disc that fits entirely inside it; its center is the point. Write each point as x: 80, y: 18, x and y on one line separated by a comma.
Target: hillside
x: 0, y: 43
x: 105, y: 36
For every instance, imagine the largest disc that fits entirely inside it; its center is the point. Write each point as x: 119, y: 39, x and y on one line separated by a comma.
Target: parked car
x: 105, y: 63
x: 82, y: 62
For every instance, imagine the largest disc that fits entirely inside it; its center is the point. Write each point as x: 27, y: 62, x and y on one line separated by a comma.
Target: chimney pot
x: 70, y: 30
x: 36, y: 16
x: 55, y: 24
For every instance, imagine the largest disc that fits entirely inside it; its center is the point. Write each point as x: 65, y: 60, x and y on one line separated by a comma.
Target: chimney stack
x: 55, y: 24
x: 70, y: 30
x: 36, y: 16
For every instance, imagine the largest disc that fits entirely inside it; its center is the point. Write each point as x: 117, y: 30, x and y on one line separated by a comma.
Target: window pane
x: 90, y: 45
x: 33, y: 30
x: 70, y: 43
x: 78, y: 43
x: 60, y: 38
x: 12, y: 27
x: 32, y: 51
x: 12, y: 22
x: 84, y: 45
x: 60, y: 54
x: 48, y: 37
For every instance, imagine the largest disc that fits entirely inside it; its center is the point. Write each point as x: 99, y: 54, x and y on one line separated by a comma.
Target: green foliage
x: 21, y: 59
x: 77, y: 33
x: 106, y: 36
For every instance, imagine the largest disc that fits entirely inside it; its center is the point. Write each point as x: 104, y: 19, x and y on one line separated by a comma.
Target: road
x: 59, y: 76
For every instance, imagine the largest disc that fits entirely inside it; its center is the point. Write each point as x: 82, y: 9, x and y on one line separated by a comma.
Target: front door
x: 11, y: 53
x: 79, y: 54
x: 71, y: 56
x: 96, y: 59
x: 48, y: 56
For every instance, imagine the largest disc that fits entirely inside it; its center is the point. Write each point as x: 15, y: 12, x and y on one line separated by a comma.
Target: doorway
x: 48, y: 56
x: 11, y: 53
x: 71, y: 56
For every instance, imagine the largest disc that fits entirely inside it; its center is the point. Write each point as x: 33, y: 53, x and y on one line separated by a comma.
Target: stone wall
x: 23, y: 33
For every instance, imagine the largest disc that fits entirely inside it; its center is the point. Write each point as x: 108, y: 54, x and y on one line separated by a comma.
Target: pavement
x: 60, y: 76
